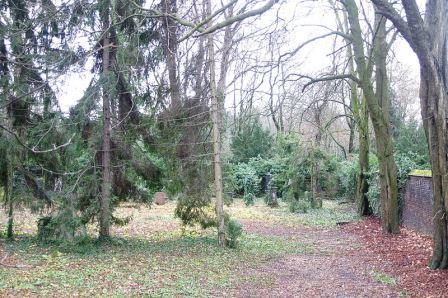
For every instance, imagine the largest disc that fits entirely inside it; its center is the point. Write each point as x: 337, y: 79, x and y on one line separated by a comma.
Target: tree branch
x: 331, y: 78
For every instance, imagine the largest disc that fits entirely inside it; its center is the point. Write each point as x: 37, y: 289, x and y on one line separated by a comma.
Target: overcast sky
x: 305, y: 21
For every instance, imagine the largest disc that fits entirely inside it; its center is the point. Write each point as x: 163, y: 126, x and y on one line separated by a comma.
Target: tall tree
x: 106, y: 156
x: 361, y: 116
x: 428, y: 39
x: 375, y: 102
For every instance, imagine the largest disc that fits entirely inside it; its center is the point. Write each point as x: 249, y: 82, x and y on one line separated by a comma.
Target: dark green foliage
x: 408, y: 133
x: 410, y: 140
x: 249, y: 199
x: 234, y: 230
x: 299, y: 206
x: 244, y: 180
x: 253, y: 140
x: 347, y: 177
x: 325, y: 166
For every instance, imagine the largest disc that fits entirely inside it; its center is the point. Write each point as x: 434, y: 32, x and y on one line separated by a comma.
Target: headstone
x: 266, y: 182
x: 273, y: 201
x: 160, y: 198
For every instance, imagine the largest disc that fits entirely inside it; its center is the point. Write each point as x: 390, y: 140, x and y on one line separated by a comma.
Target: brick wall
x: 418, y: 204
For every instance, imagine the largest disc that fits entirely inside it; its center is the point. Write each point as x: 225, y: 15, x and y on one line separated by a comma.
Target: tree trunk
x: 428, y: 39
x: 170, y: 48
x: 351, y: 138
x: 388, y: 168
x: 363, y: 162
x: 431, y: 94
x: 434, y: 105
x: 215, y: 115
x: 360, y: 120
x: 9, y: 197
x: 106, y: 158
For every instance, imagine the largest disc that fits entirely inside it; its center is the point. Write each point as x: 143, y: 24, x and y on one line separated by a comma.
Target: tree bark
x: 360, y: 120
x: 104, y: 233
x: 428, y: 39
x: 433, y: 101
x: 170, y: 48
x: 362, y: 187
x: 388, y: 169
x: 9, y: 197
x: 387, y: 166
x: 215, y: 115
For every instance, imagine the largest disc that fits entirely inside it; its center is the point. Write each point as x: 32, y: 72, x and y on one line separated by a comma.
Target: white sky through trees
x: 299, y: 21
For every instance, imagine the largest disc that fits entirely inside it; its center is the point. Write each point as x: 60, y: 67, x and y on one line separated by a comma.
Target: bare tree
x: 377, y: 105
x: 428, y: 39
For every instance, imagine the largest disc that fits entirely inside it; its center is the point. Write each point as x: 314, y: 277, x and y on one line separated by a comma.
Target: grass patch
x: 154, y: 255
x: 327, y: 217
x: 169, y: 264
x: 383, y: 278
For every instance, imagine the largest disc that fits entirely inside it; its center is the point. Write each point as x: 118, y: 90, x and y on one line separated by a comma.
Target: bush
x: 276, y: 166
x: 251, y: 141
x: 233, y: 232
x: 373, y: 195
x: 347, y: 177
x: 299, y: 206
x: 249, y: 199
x: 244, y: 180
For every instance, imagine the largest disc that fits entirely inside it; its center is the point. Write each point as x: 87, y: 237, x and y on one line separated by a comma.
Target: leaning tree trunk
x: 431, y: 94
x: 106, y: 157
x: 433, y: 98
x: 388, y: 168
x: 428, y: 39
x: 359, y: 120
x: 385, y: 149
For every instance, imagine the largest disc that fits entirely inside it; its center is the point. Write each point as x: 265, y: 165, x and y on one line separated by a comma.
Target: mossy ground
x: 153, y: 255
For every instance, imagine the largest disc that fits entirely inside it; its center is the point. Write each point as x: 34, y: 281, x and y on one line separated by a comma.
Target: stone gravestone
x: 271, y: 191
x: 266, y: 182
x: 160, y: 198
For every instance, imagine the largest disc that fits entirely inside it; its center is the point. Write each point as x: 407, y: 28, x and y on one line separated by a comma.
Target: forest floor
x: 279, y: 255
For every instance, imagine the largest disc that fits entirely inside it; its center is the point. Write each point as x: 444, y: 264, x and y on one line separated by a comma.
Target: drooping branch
x: 240, y: 17
x: 293, y: 52
x: 331, y: 78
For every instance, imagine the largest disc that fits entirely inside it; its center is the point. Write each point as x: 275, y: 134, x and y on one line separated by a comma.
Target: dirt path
x: 335, y: 268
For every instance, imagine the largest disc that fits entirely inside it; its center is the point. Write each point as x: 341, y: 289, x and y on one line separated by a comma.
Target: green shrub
x: 249, y: 199
x: 233, y: 232
x: 373, y: 195
x: 276, y: 166
x: 245, y: 179
x: 347, y: 177
x: 299, y: 206
x: 251, y: 140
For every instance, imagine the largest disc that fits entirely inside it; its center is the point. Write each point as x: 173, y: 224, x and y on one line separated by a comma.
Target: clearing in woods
x: 280, y: 255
